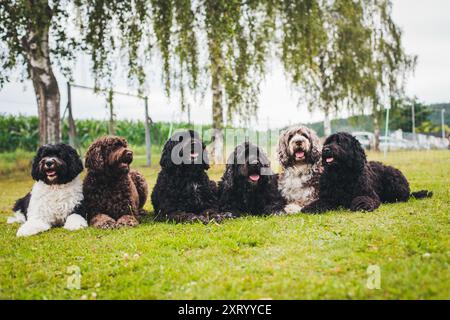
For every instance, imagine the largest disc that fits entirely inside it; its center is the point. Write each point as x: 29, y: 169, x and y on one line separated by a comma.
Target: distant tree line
x: 427, y: 120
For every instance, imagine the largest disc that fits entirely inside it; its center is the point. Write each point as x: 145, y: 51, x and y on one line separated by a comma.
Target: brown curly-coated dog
x: 114, y: 195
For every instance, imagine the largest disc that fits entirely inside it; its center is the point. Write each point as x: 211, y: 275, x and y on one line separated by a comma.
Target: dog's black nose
x: 49, y: 163
x: 326, y: 150
x: 129, y: 153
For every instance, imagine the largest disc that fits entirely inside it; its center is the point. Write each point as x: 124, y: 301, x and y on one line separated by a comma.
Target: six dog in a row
x: 314, y: 179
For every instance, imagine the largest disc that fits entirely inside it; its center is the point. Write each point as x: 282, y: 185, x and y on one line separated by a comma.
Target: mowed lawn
x: 282, y: 257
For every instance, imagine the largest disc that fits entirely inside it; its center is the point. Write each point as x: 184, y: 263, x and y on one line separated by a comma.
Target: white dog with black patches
x: 299, y: 153
x: 56, y: 198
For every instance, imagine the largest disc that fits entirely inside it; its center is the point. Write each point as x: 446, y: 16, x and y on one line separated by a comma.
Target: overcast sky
x: 426, y: 30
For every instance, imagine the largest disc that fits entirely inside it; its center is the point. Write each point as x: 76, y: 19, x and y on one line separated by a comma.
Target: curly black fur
x: 53, y: 164
x: 183, y: 191
x: 248, y: 185
x: 352, y: 182
x: 111, y: 188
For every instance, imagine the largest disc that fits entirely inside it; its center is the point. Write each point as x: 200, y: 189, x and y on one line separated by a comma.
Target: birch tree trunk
x: 327, y: 122
x: 36, y: 47
x: 376, y: 131
x: 217, y: 105
x: 111, y: 123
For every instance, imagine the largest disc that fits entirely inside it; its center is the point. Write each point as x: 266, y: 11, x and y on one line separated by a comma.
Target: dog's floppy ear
x: 316, y: 148
x: 283, y: 144
x: 94, y: 157
x: 35, y: 163
x: 266, y: 169
x: 228, y: 176
x: 166, y: 160
x: 205, y: 162
x: 263, y: 158
x: 359, y: 158
x: 74, y: 164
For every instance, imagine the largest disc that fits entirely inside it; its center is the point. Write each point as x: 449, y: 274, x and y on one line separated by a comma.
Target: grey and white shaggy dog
x: 299, y: 153
x: 114, y: 194
x: 56, y: 197
x: 352, y: 182
x: 183, y: 191
x: 248, y: 185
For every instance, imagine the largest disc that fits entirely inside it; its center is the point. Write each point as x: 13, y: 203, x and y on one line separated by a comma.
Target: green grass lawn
x: 282, y: 257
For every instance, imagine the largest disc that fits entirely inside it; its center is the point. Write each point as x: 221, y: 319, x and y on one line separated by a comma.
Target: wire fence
x: 92, y: 114
x: 399, y: 140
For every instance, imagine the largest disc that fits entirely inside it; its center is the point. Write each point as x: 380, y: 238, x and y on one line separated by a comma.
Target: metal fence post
x: 148, y: 142
x: 443, y: 123
x: 72, y: 128
x: 386, y: 131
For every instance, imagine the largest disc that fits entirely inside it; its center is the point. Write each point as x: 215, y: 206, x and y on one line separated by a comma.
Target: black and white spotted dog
x: 57, y: 195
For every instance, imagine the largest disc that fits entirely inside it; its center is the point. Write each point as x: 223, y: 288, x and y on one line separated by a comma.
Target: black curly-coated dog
x: 248, y: 185
x: 350, y: 181
x: 183, y: 191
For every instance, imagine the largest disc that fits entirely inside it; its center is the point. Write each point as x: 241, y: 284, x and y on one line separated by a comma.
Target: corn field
x: 21, y: 132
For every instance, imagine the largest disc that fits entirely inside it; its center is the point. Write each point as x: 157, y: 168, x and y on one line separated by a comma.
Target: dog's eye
x: 117, y: 144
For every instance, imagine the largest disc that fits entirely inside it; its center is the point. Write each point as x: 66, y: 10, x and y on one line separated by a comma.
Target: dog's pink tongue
x: 299, y: 154
x: 328, y: 160
x: 254, y: 177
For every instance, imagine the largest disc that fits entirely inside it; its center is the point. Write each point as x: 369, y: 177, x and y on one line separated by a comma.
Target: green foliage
x: 385, y: 75
x: 16, y: 161
x: 18, y: 132
x: 21, y: 132
x: 429, y: 128
x: 357, y: 59
x: 353, y: 123
x: 238, y: 36
x: 277, y: 257
x: 339, y: 53
x: 20, y: 20
x: 401, y: 114
x: 437, y: 109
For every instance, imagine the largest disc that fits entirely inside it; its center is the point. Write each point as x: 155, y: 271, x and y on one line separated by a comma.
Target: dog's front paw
x: 292, y: 208
x: 142, y: 212
x: 317, y: 206
x: 228, y: 215
x: 127, y: 221
x: 103, y: 221
x: 75, y: 222
x: 363, y: 204
x: 18, y: 217
x: 30, y: 228
x: 193, y: 218
x: 219, y: 217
